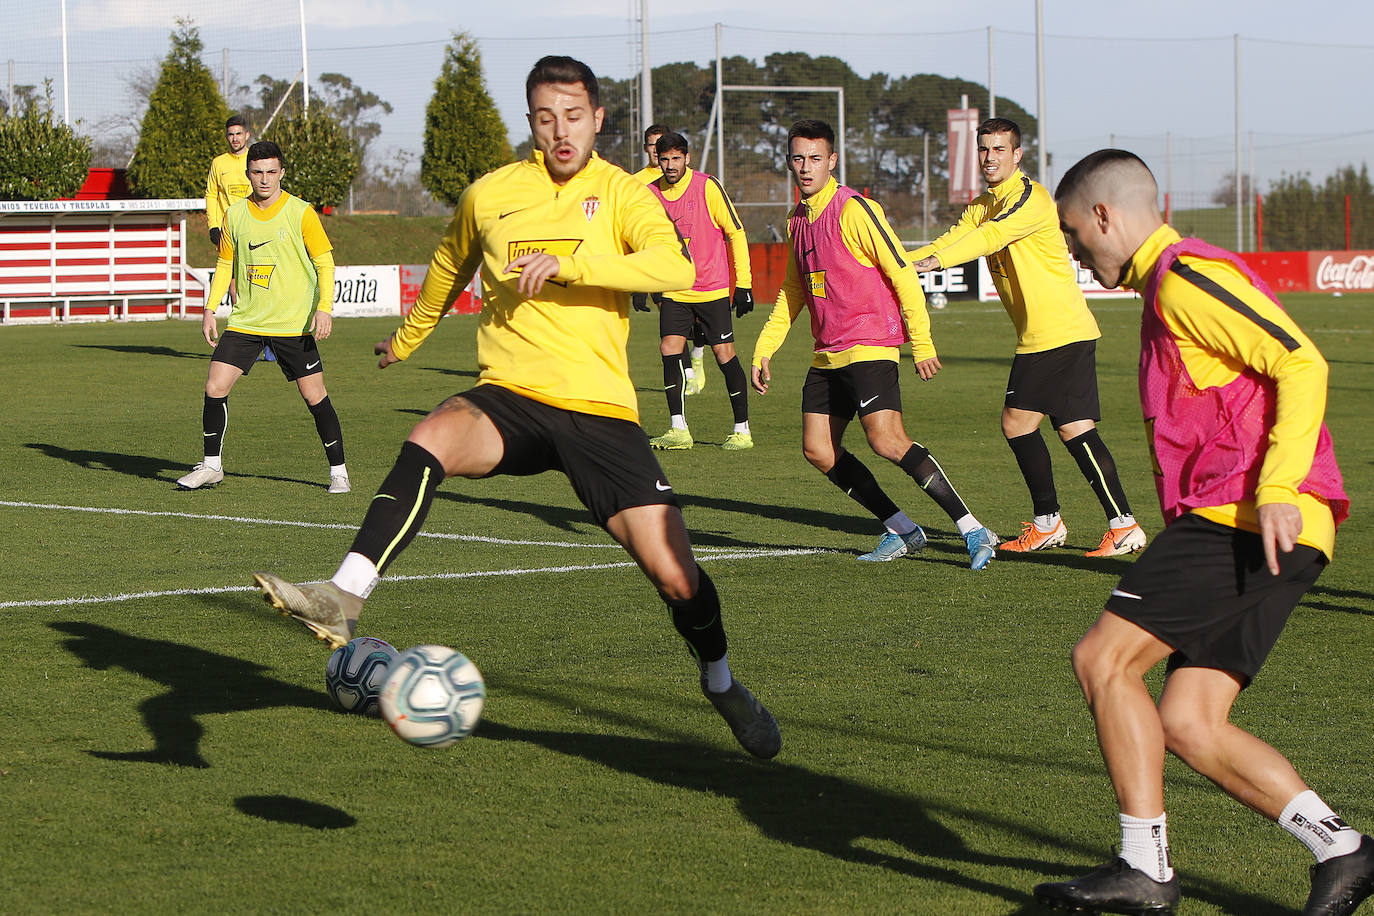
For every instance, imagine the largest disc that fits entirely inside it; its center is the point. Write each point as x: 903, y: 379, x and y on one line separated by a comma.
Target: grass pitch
x: 167, y: 745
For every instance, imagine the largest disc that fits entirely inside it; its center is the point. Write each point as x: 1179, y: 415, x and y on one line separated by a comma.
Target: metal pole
x: 305, y: 64
x: 720, y: 109
x: 1240, y: 226
x: 646, y: 80
x: 840, y: 137
x: 1250, y: 194
x: 992, y: 92
x: 9, y: 109
x: 1168, y: 162
x: 1041, y: 158
x: 66, y: 83
x: 224, y: 74
x: 925, y: 185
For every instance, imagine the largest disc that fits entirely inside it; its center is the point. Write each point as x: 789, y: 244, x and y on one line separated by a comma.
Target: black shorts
x: 607, y: 460
x: 1204, y: 589
x: 1060, y: 383
x: 297, y: 356
x: 858, y: 388
x: 678, y: 319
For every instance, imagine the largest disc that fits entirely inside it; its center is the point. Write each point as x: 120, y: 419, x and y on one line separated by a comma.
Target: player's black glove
x: 657, y: 297
x: 214, y: 237
x: 743, y: 301
x: 640, y: 301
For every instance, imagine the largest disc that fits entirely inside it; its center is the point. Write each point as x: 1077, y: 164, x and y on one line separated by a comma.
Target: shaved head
x: 1108, y: 206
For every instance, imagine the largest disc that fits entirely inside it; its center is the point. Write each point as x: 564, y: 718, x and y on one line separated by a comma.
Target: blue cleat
x: 895, y: 545
x: 982, y: 546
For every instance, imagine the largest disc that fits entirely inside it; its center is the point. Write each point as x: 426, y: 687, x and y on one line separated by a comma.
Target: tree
x: 40, y: 159
x: 320, y: 161
x: 183, y: 129
x: 464, y: 135
x: 353, y: 107
x: 1225, y: 194
x: 1300, y: 215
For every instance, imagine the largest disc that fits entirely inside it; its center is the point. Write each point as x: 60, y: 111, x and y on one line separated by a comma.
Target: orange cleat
x: 1033, y: 538
x: 1118, y: 541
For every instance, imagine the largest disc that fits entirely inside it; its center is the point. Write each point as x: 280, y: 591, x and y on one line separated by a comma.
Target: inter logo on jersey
x: 590, y: 206
x: 261, y: 275
x: 816, y: 280
x: 565, y: 248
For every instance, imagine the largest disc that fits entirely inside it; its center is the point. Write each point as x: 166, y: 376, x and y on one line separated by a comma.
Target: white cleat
x: 201, y: 476
x: 338, y: 483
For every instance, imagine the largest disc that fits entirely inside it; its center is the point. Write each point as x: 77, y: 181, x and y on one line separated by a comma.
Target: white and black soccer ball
x: 355, y: 673
x: 433, y: 696
x: 938, y: 300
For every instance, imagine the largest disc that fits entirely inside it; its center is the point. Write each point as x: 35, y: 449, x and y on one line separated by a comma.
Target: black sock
x: 331, y: 434
x: 1100, y: 470
x: 214, y: 421
x: 1034, y: 459
x: 400, y: 506
x: 686, y: 358
x: 698, y: 620
x: 674, y: 381
x: 921, y: 465
x: 699, y: 335
x: 737, y: 386
x: 859, y: 484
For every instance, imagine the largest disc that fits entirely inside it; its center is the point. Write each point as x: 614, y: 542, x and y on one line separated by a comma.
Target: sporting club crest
x: 590, y: 206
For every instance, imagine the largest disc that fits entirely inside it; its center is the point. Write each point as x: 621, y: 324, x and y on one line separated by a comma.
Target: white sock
x: 742, y: 427
x: 1122, y: 521
x: 357, y: 575
x: 698, y: 353
x: 1317, y: 827
x: 718, y: 675
x: 968, y: 523
x: 1145, y: 846
x: 689, y: 372
x: 213, y: 462
x: 899, y: 524
x: 336, y: 470
x: 1046, y: 523
x: 678, y: 421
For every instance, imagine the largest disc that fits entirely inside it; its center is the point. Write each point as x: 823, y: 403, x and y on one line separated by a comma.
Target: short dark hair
x: 1089, y: 165
x: 811, y: 129
x: 654, y: 129
x: 556, y: 68
x: 1001, y: 126
x: 266, y: 149
x: 236, y: 121
x: 669, y: 142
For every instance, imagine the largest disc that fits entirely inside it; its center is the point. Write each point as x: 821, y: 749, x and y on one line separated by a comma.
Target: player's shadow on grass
x: 1341, y: 600
x: 148, y: 350
x: 146, y: 466
x: 286, y: 809
x: 199, y: 683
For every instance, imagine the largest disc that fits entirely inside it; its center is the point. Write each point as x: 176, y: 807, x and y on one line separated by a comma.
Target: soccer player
x: 652, y: 170
x: 227, y: 181
x: 1054, y: 372
x: 1233, y: 394
x: 865, y: 302
x: 556, y: 236
x: 707, y: 221
x: 276, y: 250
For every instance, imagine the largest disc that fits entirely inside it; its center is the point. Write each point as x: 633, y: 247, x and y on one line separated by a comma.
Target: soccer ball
x: 433, y: 696
x: 938, y: 300
x: 354, y: 674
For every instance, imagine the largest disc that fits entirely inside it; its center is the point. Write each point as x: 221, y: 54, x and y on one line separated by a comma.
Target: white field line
x: 741, y: 553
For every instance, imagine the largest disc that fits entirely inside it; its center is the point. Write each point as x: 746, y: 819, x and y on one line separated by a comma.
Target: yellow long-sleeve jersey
x: 1016, y: 227
x: 566, y: 346
x: 226, y: 183
x: 1223, y: 325
x: 648, y: 173
x: 723, y: 214
x: 865, y: 231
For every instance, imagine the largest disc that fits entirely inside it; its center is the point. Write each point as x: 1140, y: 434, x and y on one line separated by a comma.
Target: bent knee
x: 1187, y: 737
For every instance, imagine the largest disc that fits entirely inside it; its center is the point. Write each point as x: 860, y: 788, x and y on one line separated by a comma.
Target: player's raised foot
x: 738, y: 442
x: 673, y: 439
x: 892, y: 545
x: 1032, y: 538
x: 699, y: 370
x: 1115, y: 887
x: 326, y: 610
x: 1119, y: 540
x: 338, y: 483
x: 752, y: 724
x: 1340, y: 884
x: 690, y: 387
x: 982, y: 546
x: 201, y: 477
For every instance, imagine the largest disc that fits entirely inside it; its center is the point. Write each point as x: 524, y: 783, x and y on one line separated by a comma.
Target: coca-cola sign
x: 1343, y: 271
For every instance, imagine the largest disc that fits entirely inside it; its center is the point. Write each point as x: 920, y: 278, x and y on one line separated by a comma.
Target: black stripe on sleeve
x: 728, y: 205
x: 897, y: 251
x: 1025, y: 196
x: 1215, y: 290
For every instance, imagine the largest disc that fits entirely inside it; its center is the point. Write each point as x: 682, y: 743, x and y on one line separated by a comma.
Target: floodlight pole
x: 1042, y: 153
x: 646, y: 78
x: 66, y: 82
x: 1240, y: 231
x: 305, y: 64
x: 720, y: 106
x: 992, y: 92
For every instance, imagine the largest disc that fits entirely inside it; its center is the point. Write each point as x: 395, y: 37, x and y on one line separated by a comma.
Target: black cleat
x: 1339, y: 885
x: 1115, y: 887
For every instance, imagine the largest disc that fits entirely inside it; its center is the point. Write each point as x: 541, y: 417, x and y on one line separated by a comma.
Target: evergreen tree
x: 320, y: 160
x: 183, y: 129
x: 464, y: 135
x: 40, y: 159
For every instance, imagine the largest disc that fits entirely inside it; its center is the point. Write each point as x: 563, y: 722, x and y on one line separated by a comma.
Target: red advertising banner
x: 1341, y: 271
x: 963, y: 155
